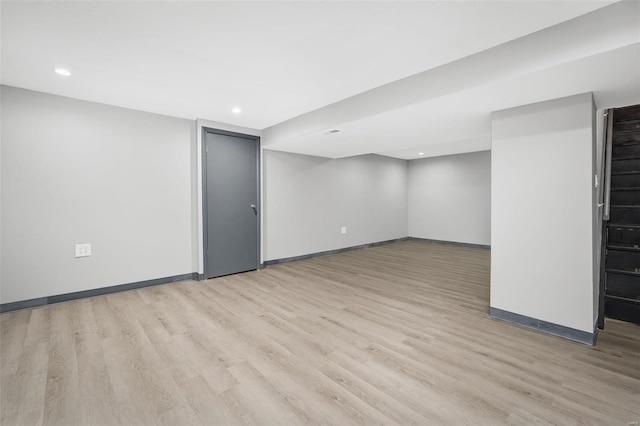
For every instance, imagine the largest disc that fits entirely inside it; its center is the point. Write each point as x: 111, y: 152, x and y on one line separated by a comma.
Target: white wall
x: 450, y: 198
x: 308, y: 199
x: 542, y: 212
x: 128, y: 182
x: 81, y: 172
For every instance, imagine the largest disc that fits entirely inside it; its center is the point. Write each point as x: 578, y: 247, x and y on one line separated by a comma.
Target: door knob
x: 255, y: 208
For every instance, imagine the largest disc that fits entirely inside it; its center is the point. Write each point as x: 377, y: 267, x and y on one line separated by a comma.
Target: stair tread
x: 622, y: 299
x: 625, y: 172
x: 623, y: 247
x: 626, y: 188
x: 626, y: 157
x: 625, y: 143
x: 615, y: 225
x: 623, y: 271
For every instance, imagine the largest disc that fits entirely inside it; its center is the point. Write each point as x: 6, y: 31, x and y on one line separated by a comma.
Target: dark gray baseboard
x: 41, y: 301
x: 328, y: 252
x: 545, y: 327
x: 361, y: 246
x: 455, y: 243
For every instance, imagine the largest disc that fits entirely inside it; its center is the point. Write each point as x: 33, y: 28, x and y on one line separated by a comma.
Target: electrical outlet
x: 83, y: 250
x: 343, y: 230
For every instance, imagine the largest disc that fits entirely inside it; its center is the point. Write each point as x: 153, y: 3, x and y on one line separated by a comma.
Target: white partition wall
x: 450, y: 198
x: 543, y: 211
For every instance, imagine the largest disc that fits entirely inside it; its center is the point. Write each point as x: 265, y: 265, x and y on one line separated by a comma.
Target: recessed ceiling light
x: 63, y: 71
x: 421, y: 153
x: 236, y: 110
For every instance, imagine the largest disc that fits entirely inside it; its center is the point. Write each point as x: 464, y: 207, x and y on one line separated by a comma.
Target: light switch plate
x: 83, y: 250
x: 343, y: 230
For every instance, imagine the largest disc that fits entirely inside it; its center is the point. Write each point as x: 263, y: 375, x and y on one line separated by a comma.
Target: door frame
x: 205, y: 225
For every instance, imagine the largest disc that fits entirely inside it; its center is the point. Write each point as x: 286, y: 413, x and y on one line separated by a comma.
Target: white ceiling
x: 280, y: 60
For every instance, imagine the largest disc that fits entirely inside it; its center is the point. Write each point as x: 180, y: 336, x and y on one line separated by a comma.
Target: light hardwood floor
x: 394, y: 334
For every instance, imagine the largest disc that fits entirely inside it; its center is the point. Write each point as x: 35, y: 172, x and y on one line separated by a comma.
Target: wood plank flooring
x: 393, y: 334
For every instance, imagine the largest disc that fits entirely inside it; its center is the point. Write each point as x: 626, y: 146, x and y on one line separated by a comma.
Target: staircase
x: 622, y: 261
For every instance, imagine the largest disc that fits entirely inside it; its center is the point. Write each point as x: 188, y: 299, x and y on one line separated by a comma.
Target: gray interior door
x: 231, y: 228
